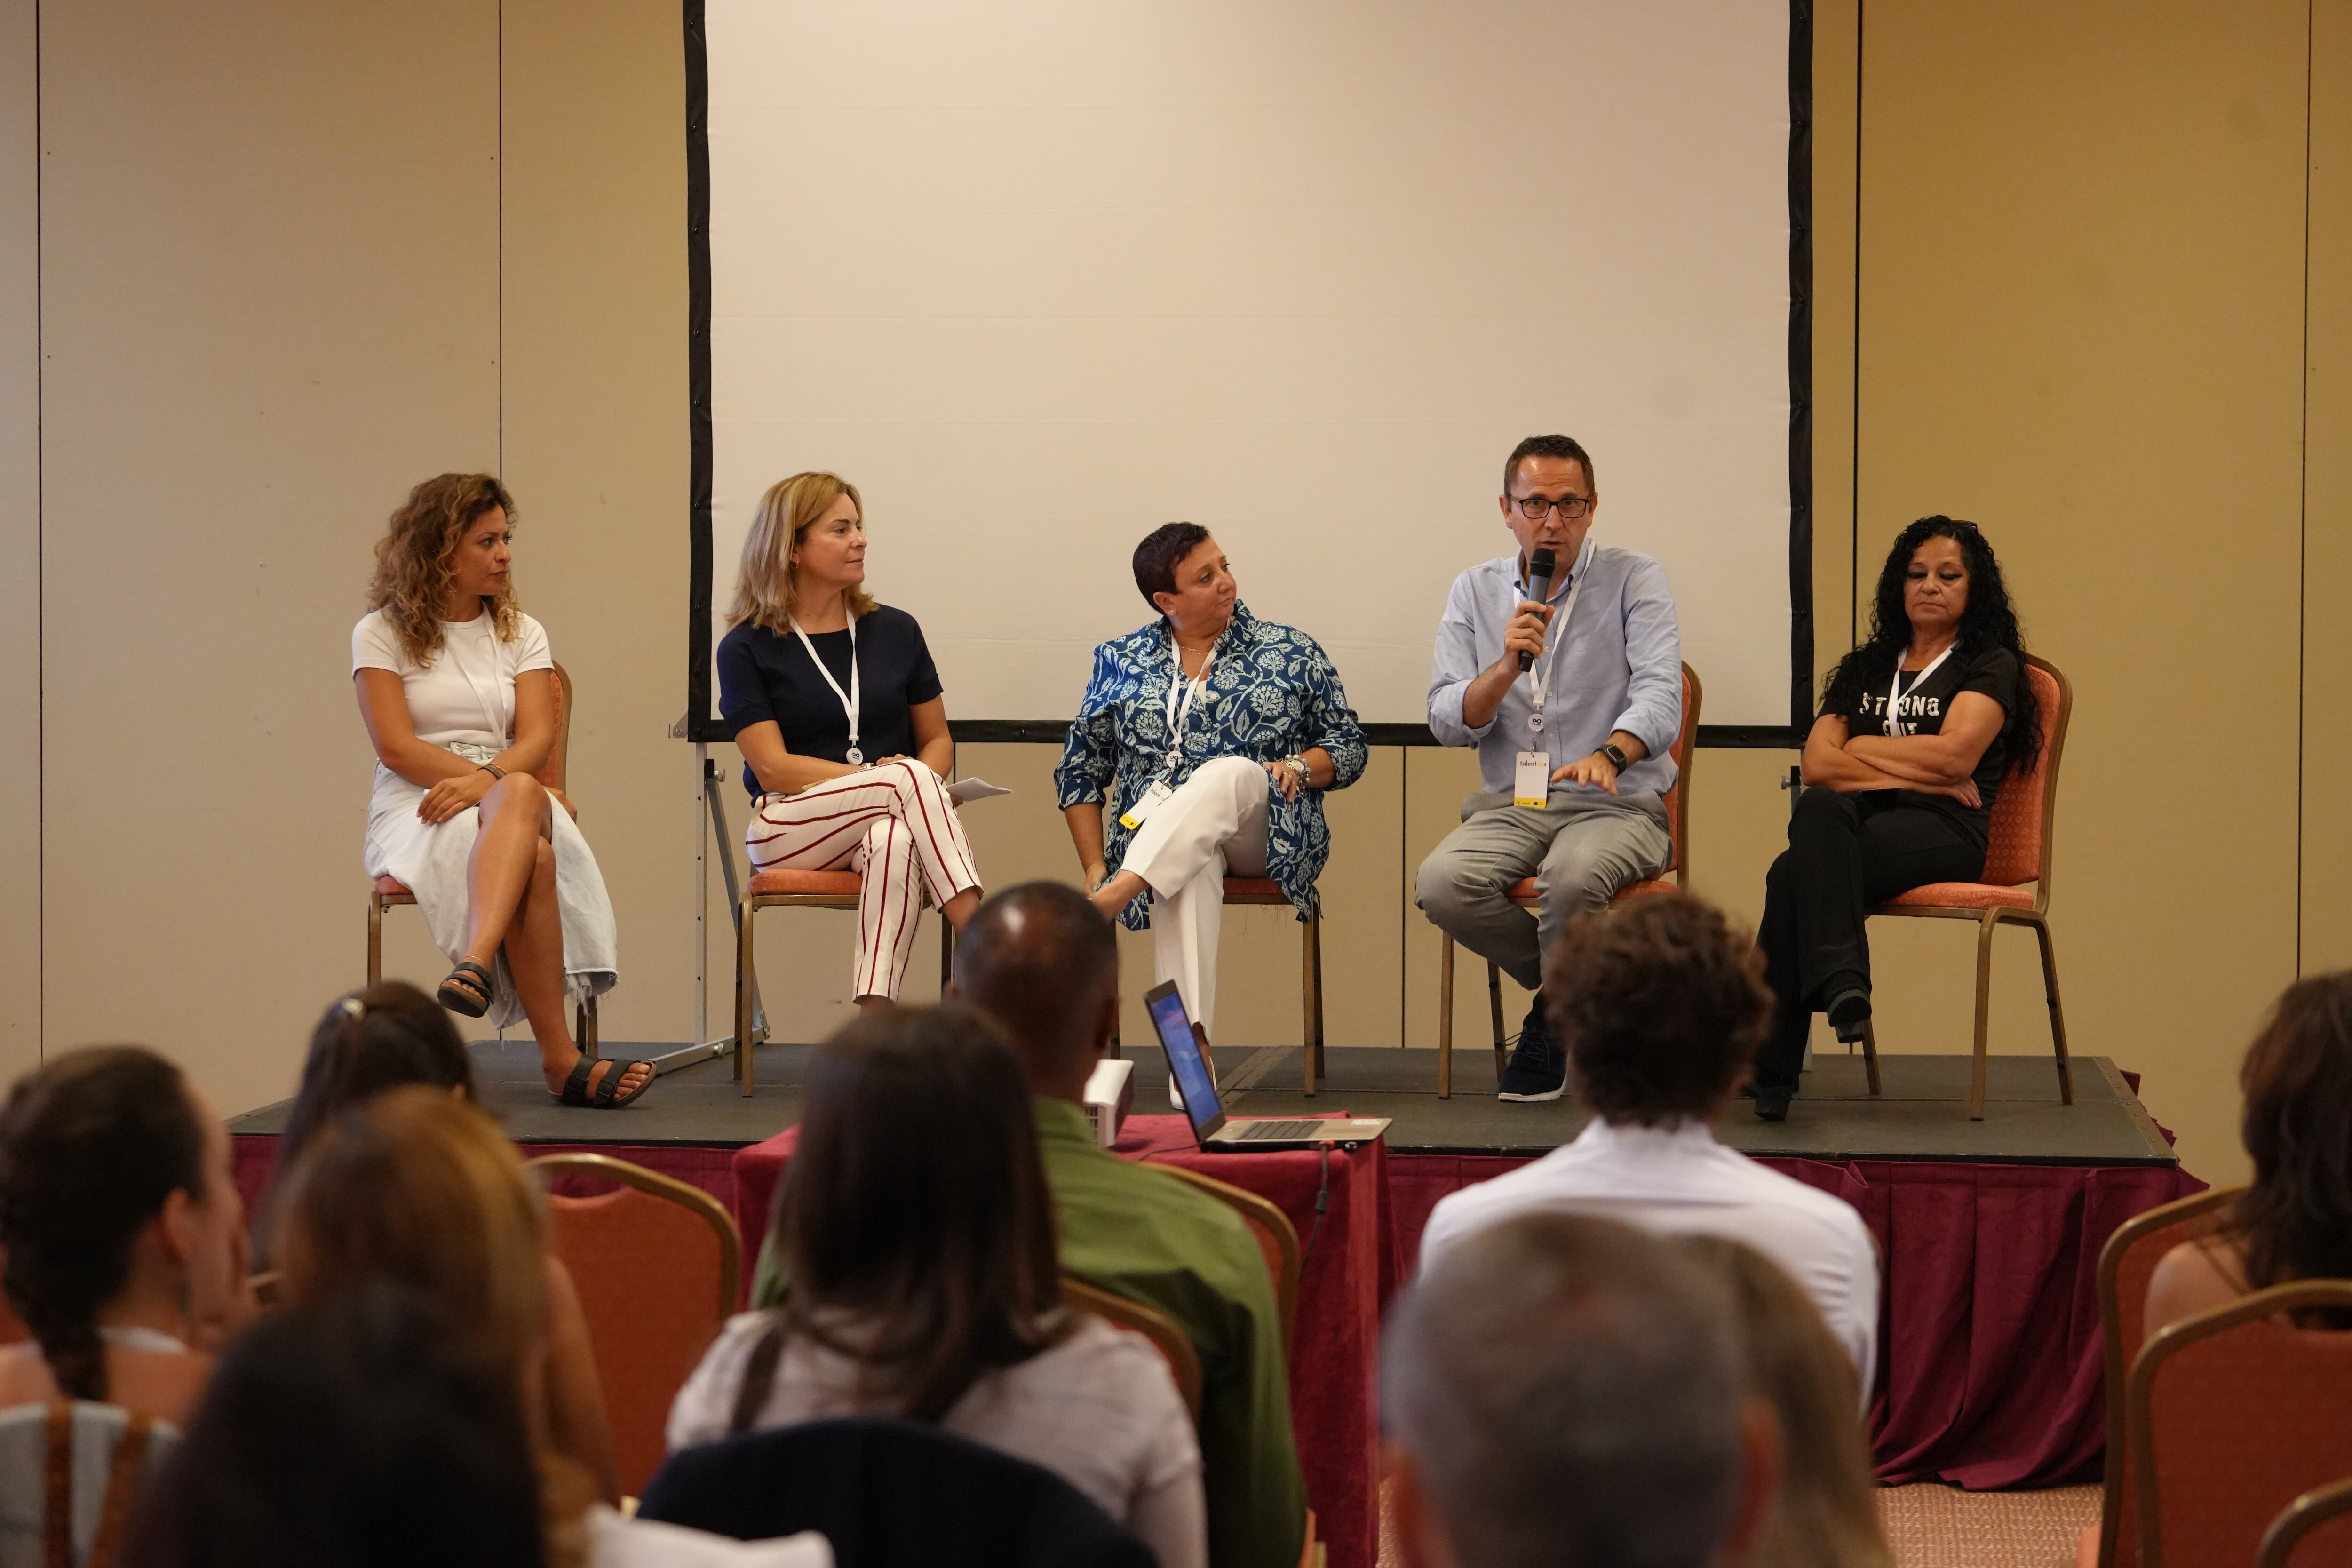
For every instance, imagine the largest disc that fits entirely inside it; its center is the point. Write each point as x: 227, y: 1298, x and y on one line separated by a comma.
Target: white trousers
x: 894, y: 824
x: 1213, y: 826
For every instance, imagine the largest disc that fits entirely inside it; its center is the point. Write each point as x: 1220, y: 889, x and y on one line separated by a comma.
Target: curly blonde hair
x: 413, y: 575
x: 764, y: 582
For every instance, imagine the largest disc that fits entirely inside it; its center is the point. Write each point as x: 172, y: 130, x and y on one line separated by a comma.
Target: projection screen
x: 1040, y: 275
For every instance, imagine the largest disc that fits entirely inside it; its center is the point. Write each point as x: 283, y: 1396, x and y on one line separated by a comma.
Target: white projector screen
x: 1038, y: 276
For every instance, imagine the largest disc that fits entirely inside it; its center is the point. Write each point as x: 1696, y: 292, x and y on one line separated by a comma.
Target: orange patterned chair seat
x: 1961, y: 896
x: 393, y: 887
x: 1523, y: 892
x: 779, y: 882
x: 1255, y: 890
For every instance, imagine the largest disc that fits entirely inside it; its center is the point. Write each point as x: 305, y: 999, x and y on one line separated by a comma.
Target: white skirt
x: 429, y: 859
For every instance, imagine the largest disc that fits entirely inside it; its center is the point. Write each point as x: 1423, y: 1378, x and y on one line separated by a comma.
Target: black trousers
x: 1846, y: 853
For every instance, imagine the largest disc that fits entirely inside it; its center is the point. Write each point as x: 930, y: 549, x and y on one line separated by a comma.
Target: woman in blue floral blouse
x: 1215, y: 734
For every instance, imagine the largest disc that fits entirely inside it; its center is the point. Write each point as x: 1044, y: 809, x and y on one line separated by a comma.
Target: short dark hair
x: 1547, y: 446
x: 1661, y: 1002
x: 1162, y: 550
x: 916, y: 1204
x: 360, y: 1432
x: 1570, y: 1391
x: 1040, y: 959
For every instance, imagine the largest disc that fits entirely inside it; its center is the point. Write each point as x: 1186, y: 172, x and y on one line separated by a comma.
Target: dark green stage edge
x: 1923, y: 1114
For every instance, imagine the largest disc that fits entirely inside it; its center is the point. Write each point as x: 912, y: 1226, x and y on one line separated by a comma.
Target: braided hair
x: 92, y: 1146
x: 1988, y: 622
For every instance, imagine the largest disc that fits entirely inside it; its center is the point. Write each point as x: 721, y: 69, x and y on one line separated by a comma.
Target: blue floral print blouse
x: 1272, y: 691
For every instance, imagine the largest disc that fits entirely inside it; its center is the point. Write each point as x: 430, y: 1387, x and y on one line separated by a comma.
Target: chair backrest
x: 657, y: 1264
x: 1277, y: 1238
x: 2126, y: 1264
x: 559, y: 756
x: 2230, y: 1416
x: 1677, y: 798
x: 1173, y: 1344
x: 890, y: 1494
x: 2020, y: 834
x: 2314, y: 1530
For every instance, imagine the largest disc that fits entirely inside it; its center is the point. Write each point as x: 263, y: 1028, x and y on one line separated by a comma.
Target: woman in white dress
x: 457, y: 688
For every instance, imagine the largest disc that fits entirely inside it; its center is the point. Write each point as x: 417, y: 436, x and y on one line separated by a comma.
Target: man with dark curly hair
x: 1660, y: 1005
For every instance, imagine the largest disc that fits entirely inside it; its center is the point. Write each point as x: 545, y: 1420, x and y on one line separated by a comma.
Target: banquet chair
x: 388, y: 892
x: 781, y: 888
x: 2233, y: 1414
x: 1173, y: 1344
x: 1524, y: 894
x: 1277, y: 1238
x: 2023, y: 817
x: 2313, y: 1532
x: 1267, y: 890
x: 2125, y: 1264
x: 658, y: 1266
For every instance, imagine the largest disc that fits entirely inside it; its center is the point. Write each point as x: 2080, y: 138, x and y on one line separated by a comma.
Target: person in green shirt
x: 1039, y: 960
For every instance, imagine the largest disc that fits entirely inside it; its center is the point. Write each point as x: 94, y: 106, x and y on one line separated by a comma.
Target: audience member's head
x: 1565, y: 1391
x: 2294, y: 1221
x: 114, y: 1184
x: 915, y: 1208
x: 360, y: 1434
x: 1826, y: 1515
x: 1041, y: 960
x: 1660, y: 1001
x: 389, y: 1034
x: 420, y: 1188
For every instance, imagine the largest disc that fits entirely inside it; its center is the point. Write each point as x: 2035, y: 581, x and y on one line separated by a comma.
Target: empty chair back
x: 658, y: 1266
x: 890, y: 1494
x: 2231, y: 1415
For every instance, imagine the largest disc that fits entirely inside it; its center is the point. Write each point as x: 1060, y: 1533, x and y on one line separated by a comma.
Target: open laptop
x: 1211, y: 1127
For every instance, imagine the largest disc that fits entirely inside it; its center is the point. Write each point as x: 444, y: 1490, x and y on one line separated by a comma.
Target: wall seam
x: 2302, y: 501
x: 1854, y: 478
x: 40, y: 572
x: 500, y: 143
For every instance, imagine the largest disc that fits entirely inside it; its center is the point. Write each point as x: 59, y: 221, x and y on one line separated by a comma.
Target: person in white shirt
x: 1660, y: 1003
x: 457, y: 690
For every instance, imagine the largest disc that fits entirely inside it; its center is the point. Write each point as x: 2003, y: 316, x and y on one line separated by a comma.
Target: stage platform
x: 1923, y: 1115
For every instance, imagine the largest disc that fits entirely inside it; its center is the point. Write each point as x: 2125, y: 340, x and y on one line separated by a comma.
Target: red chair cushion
x: 840, y: 884
x: 1644, y: 889
x: 1265, y: 888
x: 1960, y: 895
x: 1523, y: 892
x: 392, y: 887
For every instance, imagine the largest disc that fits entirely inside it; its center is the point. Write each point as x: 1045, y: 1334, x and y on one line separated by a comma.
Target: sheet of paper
x: 965, y: 791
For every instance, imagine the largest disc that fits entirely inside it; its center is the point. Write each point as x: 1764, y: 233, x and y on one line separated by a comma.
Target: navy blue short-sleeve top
x: 765, y: 674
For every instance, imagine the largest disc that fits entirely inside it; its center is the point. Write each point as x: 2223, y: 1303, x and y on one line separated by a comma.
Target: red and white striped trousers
x: 894, y: 824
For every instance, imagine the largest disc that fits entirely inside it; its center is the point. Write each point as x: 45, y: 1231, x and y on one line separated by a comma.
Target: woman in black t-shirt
x: 1891, y: 807
x: 836, y: 707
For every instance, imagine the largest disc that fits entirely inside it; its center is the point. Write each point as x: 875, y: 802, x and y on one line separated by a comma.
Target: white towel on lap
x: 429, y: 859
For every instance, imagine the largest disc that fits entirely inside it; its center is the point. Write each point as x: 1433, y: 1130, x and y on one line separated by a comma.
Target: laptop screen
x: 1175, y: 1030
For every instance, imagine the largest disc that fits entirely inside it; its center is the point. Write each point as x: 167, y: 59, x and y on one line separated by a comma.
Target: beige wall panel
x: 20, y: 537
x: 2082, y: 237
x: 2327, y: 505
x: 269, y: 237
x: 1837, y: 59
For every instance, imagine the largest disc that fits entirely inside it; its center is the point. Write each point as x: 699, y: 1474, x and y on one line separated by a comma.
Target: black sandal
x: 467, y: 989
x: 607, y: 1095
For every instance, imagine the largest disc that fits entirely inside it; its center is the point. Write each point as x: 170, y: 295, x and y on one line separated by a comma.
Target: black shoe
x: 1772, y: 1102
x: 1849, y: 1011
x: 1539, y: 1068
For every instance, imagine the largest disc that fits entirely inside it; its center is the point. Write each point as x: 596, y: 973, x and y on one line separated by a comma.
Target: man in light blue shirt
x: 1585, y: 731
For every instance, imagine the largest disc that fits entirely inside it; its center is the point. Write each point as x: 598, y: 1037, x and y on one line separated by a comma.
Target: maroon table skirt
x: 1349, y: 1270
x: 1990, y: 1368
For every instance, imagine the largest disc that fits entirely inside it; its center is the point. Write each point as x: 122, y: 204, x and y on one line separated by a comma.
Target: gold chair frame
x: 1277, y: 1238
x: 1171, y: 1341
x: 709, y: 1210
x: 746, y: 980
x: 1261, y: 891
x: 2300, y: 1517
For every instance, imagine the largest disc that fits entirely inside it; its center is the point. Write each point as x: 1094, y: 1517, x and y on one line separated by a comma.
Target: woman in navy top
x: 837, y: 709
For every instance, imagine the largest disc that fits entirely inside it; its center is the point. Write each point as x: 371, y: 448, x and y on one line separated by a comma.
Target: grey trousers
x: 1580, y: 849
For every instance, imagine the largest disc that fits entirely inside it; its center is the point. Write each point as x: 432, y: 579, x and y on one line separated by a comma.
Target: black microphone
x: 1539, y: 566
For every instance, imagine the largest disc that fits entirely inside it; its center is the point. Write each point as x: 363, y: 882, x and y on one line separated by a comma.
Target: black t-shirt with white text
x: 766, y: 675
x: 1993, y: 672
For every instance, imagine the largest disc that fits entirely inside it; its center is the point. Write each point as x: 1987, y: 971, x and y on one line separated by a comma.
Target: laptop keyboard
x: 1309, y: 1126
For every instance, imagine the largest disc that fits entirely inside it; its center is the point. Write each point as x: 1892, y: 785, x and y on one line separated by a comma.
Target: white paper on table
x: 965, y: 791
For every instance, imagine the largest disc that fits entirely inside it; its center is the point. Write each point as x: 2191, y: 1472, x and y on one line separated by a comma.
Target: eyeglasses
x: 1534, y: 508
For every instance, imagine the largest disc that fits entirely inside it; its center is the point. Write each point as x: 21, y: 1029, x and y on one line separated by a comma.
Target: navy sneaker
x: 1539, y: 1068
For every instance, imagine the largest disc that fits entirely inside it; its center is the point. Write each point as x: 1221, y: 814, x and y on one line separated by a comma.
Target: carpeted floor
x: 1942, y: 1527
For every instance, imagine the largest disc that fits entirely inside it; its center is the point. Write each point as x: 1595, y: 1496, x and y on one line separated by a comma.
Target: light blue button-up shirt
x: 1619, y: 667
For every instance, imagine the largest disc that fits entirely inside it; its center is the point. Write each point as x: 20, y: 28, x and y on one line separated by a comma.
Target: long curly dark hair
x: 2294, y: 1221
x: 90, y: 1147
x: 1988, y: 622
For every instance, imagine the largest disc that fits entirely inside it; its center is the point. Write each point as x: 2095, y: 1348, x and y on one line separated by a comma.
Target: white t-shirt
x: 1099, y: 1410
x: 1680, y: 1180
x: 467, y: 691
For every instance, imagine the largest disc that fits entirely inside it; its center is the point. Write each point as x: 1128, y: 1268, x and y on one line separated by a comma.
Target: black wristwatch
x: 1616, y: 758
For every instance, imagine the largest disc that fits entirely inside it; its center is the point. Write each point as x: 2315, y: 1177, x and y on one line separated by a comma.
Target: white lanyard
x: 853, y: 756
x: 133, y: 1337
x: 502, y: 726
x: 1554, y: 638
x: 1180, y: 693
x: 1895, y: 691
